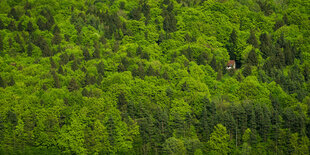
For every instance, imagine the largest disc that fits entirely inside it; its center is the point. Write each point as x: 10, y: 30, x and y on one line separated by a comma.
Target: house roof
x: 231, y: 63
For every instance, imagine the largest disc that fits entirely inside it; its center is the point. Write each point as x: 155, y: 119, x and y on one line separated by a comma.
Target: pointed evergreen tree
x: 56, y: 30
x: 252, y: 58
x: 202, y: 59
x: 60, y: 70
x: 232, y: 45
x: 141, y: 71
x: 85, y: 92
x: 27, y: 6
x: 41, y: 24
x: 88, y: 80
x: 64, y: 59
x: 100, y: 68
x: 29, y: 49
x: 30, y: 27
x: 170, y: 23
x: 219, y: 75
x: 73, y: 85
x: 2, y: 82
x: 252, y: 39
x: 1, y: 25
x: 72, y: 57
x: 83, y: 69
x: 121, y: 68
x: 280, y: 58
x: 20, y: 26
x: 266, y: 45
x: 306, y: 74
x: 139, y: 50
x: 289, y: 58
x: 86, y: 54
x: 46, y: 51
x: 285, y: 19
x: 56, y: 79
x: 74, y: 65
x: 281, y: 41
x: 96, y: 53
x: 99, y: 79
x: 150, y: 71
x: 247, y: 70
x: 278, y: 24
x: 1, y: 43
x: 12, y: 26
x: 135, y: 13
x: 13, y: 14
x: 57, y: 39
x: 53, y: 64
x: 214, y: 64
x: 12, y: 81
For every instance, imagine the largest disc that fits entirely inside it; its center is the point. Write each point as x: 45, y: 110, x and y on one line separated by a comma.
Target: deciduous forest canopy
x: 151, y: 77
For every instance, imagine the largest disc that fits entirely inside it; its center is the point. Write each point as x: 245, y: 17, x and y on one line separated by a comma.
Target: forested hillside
x: 150, y: 77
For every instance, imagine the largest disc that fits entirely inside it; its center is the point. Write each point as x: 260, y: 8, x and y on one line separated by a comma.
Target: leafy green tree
x: 219, y: 140
x: 143, y: 92
x: 246, y: 148
x: 174, y: 146
x: 71, y: 136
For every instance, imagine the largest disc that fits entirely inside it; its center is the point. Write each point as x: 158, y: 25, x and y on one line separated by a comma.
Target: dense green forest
x: 150, y: 77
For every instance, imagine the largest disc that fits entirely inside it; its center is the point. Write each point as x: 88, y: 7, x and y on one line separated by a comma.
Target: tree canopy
x: 151, y: 77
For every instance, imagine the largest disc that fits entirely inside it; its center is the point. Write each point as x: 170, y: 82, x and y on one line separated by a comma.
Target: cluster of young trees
x: 149, y: 77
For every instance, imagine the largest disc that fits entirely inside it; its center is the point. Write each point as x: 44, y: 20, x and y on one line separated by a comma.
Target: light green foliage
x: 174, y: 146
x: 252, y: 90
x: 151, y: 77
x: 218, y: 142
x: 71, y: 137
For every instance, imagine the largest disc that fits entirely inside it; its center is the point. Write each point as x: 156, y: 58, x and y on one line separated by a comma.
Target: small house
x: 231, y: 65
